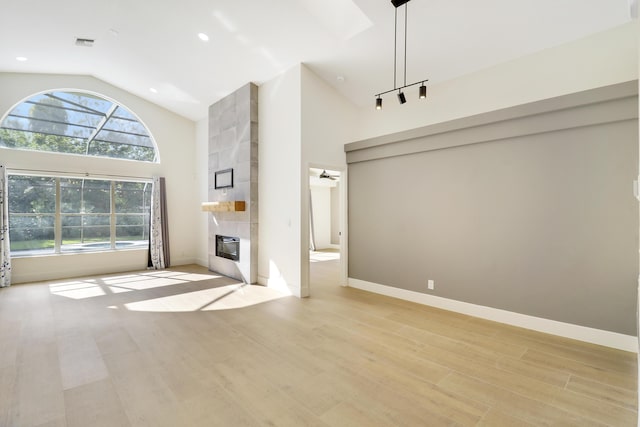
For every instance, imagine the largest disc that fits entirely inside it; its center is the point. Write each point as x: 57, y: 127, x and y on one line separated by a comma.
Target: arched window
x: 77, y: 123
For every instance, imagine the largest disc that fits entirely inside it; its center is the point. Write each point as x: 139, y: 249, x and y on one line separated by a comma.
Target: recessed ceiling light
x: 153, y: 89
x: 21, y: 58
x: 203, y: 37
x: 340, y: 79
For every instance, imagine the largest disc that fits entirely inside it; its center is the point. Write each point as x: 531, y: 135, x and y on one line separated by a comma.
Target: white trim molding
x: 567, y: 330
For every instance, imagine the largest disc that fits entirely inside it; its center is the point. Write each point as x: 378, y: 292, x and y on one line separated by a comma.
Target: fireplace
x: 228, y: 247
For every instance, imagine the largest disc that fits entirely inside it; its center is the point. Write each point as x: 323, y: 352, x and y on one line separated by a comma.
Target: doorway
x: 327, y: 220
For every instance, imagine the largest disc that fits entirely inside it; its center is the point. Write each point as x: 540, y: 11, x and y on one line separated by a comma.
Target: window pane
x: 89, y: 221
x: 85, y: 195
x: 32, y: 206
x: 132, y: 228
x: 85, y: 232
x: 71, y: 235
x: 132, y: 213
x: 130, y: 126
x: 76, y: 123
x: 132, y: 197
x: 71, y: 230
x: 70, y: 195
x: 96, y: 196
x: 123, y: 151
x: 32, y: 194
x: 124, y: 220
x: 85, y: 214
x: 69, y: 221
x: 31, y: 234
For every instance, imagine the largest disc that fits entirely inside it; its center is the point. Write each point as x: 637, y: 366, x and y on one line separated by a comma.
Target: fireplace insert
x: 228, y: 247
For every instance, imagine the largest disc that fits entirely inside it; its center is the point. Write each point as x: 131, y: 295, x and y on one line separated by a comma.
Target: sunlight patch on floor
x: 222, y: 298
x: 77, y: 289
x: 90, y: 288
x: 149, y: 283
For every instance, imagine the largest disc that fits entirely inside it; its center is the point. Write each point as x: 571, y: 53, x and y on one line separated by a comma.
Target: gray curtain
x: 5, y: 259
x: 159, y: 235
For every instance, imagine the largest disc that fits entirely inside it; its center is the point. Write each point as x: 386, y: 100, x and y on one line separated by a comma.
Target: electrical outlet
x: 430, y: 284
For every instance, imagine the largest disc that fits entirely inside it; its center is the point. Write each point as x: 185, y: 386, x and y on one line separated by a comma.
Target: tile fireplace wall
x: 233, y: 143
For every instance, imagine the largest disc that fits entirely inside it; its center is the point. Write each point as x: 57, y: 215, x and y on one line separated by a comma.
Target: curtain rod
x: 77, y: 174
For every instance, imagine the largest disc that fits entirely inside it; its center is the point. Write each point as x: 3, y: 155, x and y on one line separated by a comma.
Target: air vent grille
x: 84, y: 42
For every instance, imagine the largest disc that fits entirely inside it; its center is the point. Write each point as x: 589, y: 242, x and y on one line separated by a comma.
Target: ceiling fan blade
x: 325, y: 175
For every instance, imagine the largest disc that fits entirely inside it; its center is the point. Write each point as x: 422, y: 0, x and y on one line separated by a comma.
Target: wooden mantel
x: 233, y: 206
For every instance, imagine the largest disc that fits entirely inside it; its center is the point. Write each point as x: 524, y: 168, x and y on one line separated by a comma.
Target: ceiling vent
x: 84, y: 42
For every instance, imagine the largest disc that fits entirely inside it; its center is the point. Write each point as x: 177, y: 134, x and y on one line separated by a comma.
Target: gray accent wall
x: 335, y: 213
x: 233, y: 143
x: 529, y: 209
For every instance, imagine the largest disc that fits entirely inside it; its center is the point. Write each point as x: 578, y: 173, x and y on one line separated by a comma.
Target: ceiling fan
x: 325, y: 175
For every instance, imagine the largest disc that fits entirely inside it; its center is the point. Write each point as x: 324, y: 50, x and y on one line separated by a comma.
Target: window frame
x: 58, y: 248
x: 115, y: 105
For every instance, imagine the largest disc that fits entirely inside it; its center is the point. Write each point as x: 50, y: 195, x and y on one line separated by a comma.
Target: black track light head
x: 423, y: 91
x: 402, y: 98
x: 378, y: 103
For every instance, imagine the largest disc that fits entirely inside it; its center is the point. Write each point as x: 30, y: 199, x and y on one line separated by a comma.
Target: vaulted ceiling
x: 152, y: 48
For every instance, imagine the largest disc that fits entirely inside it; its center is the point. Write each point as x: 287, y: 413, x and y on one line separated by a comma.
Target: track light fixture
x: 401, y: 96
x: 378, y: 103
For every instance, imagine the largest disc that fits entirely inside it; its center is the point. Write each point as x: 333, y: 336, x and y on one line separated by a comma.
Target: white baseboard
x: 177, y: 262
x: 278, y: 284
x: 567, y: 330
x: 202, y: 262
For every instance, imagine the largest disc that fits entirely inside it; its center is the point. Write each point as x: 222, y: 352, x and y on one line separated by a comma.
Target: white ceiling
x: 143, y: 44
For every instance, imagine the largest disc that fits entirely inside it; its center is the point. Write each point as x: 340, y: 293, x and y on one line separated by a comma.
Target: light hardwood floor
x: 186, y: 348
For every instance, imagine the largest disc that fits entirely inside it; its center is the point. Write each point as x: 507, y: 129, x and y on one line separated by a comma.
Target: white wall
x: 202, y: 179
x: 328, y: 122
x: 303, y: 122
x: 175, y: 138
x: 321, y: 204
x: 598, y: 60
x: 280, y: 182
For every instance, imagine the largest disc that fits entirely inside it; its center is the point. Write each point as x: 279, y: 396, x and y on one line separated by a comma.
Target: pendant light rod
x: 406, y: 12
x: 401, y: 87
x: 395, y: 48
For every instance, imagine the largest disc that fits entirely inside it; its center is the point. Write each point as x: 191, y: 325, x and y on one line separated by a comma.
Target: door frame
x: 343, y: 221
